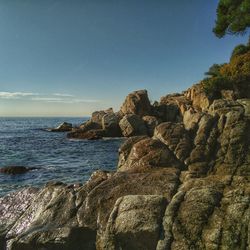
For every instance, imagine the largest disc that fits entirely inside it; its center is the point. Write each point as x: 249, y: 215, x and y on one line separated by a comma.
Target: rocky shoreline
x: 182, y: 182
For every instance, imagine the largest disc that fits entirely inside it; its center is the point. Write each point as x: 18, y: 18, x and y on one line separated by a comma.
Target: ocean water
x: 24, y: 142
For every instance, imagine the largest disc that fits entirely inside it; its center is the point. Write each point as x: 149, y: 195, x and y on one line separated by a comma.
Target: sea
x: 24, y: 142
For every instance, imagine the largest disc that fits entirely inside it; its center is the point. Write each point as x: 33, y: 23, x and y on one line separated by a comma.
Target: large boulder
x: 48, y: 223
x: 222, y: 107
x: 126, y: 147
x: 166, y: 112
x: 135, y: 222
x: 99, y: 203
x: 191, y: 119
x: 198, y: 97
x: 96, y: 116
x: 178, y: 100
x: 151, y: 122
x: 132, y: 125
x: 147, y: 153
x: 176, y: 138
x: 137, y: 103
x: 110, y: 123
x: 88, y: 125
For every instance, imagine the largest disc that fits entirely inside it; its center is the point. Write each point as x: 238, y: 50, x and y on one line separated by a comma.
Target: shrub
x: 240, y: 50
x: 233, y: 75
x: 213, y: 86
x: 214, y: 70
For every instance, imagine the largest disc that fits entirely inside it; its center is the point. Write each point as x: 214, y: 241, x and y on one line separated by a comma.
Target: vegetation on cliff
x: 233, y: 17
x: 234, y: 75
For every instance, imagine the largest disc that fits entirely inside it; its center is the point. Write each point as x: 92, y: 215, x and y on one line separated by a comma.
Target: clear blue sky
x: 70, y: 57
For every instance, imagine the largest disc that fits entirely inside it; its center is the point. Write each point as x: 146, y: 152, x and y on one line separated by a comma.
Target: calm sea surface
x: 23, y: 142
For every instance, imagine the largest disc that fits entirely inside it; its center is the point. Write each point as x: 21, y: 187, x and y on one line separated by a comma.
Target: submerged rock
x: 15, y: 170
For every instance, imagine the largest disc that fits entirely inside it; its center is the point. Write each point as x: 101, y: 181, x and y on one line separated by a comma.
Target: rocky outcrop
x: 63, y: 217
x: 151, y: 122
x: 110, y: 123
x: 198, y: 97
x: 148, y: 153
x: 137, y: 103
x: 135, y: 222
x: 97, y: 116
x: 132, y: 125
x: 103, y: 123
x: 127, y: 122
x: 93, y: 134
x: 186, y: 187
x: 180, y: 101
x: 176, y: 138
x: 64, y: 127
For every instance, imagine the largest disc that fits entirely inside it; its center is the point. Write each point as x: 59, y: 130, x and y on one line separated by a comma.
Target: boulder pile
x: 182, y: 182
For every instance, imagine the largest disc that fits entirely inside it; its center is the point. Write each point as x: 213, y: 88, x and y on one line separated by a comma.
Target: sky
x: 72, y: 57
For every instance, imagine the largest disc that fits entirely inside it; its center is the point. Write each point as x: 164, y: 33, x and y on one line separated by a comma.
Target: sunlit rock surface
x: 186, y: 187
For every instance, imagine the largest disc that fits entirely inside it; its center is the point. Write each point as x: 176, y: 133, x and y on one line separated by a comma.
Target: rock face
x: 110, y: 123
x: 151, y: 122
x: 186, y: 187
x: 132, y: 125
x: 199, y: 99
x: 135, y: 222
x: 103, y: 123
x: 137, y: 103
x: 148, y: 153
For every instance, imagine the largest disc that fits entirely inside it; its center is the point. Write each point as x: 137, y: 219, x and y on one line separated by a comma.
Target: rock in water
x: 15, y: 170
x: 93, y: 134
x: 64, y: 127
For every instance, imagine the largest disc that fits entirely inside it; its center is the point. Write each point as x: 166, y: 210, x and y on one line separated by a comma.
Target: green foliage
x: 234, y: 75
x: 213, y: 86
x: 214, y: 70
x: 233, y: 17
x: 240, y: 50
